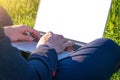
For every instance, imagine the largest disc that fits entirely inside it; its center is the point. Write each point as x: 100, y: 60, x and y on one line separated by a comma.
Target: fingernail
x: 50, y: 32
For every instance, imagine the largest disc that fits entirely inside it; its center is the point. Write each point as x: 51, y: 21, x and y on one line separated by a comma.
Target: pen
x: 29, y: 34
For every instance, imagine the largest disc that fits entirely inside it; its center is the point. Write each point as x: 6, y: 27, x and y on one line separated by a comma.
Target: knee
x: 108, y: 46
x: 106, y: 42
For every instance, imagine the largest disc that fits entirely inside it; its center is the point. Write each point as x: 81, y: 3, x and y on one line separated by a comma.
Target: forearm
x: 43, y: 66
x: 12, y: 64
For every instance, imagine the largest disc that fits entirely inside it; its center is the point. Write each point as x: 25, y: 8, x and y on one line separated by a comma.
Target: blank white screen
x: 81, y: 20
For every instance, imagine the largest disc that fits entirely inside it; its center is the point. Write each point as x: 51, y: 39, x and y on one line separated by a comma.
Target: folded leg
x: 97, y: 60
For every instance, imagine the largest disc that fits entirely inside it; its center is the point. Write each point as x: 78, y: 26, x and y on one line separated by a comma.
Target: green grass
x: 113, y: 29
x: 24, y: 12
x: 113, y: 25
x: 21, y: 11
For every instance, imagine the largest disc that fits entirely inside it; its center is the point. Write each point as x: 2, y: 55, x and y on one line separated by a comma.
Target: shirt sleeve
x: 14, y: 67
x: 44, y: 66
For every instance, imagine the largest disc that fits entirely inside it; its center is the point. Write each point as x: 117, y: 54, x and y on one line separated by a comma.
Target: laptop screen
x: 81, y: 20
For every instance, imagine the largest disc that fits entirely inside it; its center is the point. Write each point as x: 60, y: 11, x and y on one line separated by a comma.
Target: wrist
x: 42, y: 49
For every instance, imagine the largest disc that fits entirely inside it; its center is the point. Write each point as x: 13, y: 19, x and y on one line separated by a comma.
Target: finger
x: 13, y: 38
x: 24, y: 29
x: 47, y: 35
x: 25, y: 38
x: 34, y: 32
x: 69, y: 46
x: 69, y: 43
x: 62, y: 39
x: 61, y: 36
x: 50, y: 33
x: 65, y: 40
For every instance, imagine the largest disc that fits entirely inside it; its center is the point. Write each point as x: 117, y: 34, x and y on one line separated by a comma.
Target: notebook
x: 81, y: 21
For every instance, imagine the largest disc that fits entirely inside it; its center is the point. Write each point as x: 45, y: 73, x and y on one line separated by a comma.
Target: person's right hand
x: 17, y: 32
x: 58, y: 42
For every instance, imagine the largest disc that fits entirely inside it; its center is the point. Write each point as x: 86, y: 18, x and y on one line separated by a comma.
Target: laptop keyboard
x: 75, y: 47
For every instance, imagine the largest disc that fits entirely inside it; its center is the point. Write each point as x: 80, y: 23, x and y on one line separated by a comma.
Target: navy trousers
x: 97, y: 60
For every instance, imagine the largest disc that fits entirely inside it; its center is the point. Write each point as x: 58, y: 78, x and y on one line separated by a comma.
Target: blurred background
x: 21, y: 11
x: 113, y: 24
x: 24, y: 12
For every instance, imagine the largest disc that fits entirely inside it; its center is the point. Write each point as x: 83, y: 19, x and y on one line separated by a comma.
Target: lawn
x: 24, y: 12
x: 21, y: 11
x: 113, y: 25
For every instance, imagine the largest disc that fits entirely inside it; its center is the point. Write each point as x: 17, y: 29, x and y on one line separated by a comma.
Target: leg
x: 97, y: 60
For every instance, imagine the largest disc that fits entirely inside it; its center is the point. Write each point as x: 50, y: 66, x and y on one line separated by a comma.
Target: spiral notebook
x: 81, y: 21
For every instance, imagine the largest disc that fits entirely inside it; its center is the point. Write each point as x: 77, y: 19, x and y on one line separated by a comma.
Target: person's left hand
x: 55, y: 41
x: 17, y: 33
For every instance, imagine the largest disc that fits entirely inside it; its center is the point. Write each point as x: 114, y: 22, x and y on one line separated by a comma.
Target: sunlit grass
x: 113, y: 25
x: 21, y: 11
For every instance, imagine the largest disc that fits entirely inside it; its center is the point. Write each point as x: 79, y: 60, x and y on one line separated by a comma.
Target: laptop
x: 81, y: 21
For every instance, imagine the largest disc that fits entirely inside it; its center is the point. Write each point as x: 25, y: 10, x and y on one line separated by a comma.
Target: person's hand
x: 58, y: 42
x: 17, y: 33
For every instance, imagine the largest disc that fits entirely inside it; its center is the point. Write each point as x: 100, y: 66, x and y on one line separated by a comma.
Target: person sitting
x: 97, y: 60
